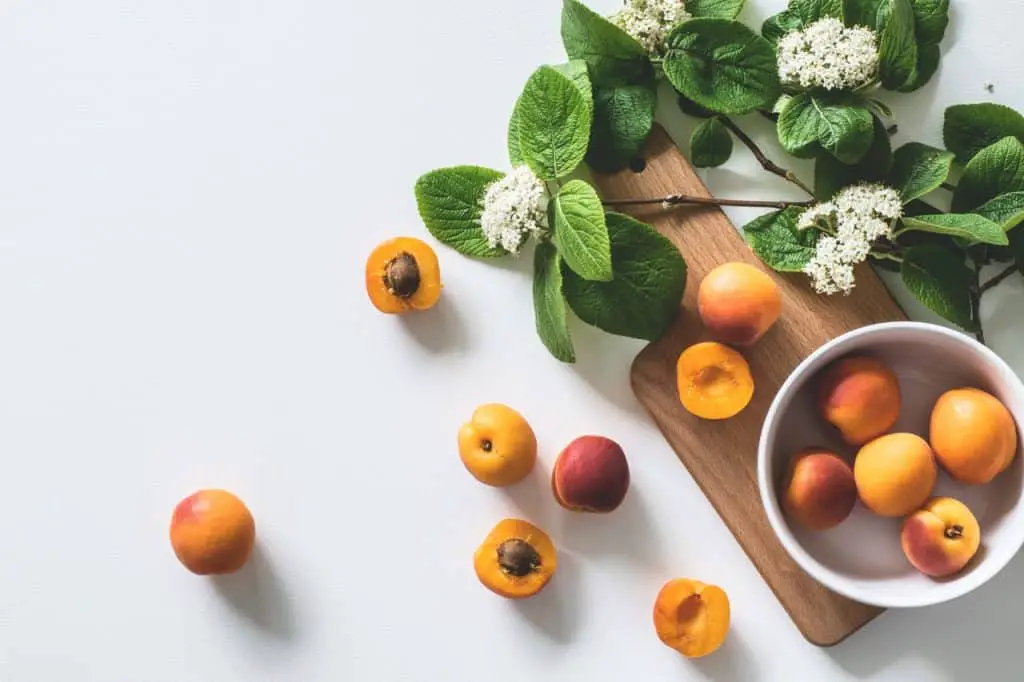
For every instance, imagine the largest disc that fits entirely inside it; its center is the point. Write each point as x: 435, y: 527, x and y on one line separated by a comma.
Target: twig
x: 997, y: 280
x: 765, y: 162
x: 948, y: 187
x: 975, y: 295
x: 687, y: 199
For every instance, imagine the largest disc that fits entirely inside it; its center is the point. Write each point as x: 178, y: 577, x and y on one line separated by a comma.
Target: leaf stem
x: 997, y: 280
x: 887, y: 256
x: 762, y: 159
x: 949, y: 187
x: 975, y: 295
x: 688, y: 199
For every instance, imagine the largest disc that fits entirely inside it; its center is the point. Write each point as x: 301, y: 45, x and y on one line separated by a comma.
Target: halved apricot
x: 516, y: 560
x: 691, y: 617
x: 714, y: 381
x: 403, y: 274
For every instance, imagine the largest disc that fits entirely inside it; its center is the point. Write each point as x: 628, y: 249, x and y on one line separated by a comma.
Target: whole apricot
x: 941, y: 538
x: 403, y: 275
x: 497, y: 445
x: 691, y: 617
x: 860, y: 396
x: 212, y: 532
x: 821, y: 490
x: 714, y: 381
x: 516, y: 560
x: 895, y: 474
x: 591, y: 475
x: 738, y: 303
x: 973, y: 435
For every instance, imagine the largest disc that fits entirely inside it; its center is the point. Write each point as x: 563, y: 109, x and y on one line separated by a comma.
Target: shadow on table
x: 732, y: 662
x: 556, y: 611
x: 258, y: 595
x: 439, y: 330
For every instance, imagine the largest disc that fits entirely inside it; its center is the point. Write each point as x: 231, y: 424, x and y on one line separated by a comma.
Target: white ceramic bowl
x: 862, y: 557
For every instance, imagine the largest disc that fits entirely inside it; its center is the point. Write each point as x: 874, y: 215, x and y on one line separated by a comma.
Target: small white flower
x: 650, y: 21
x: 828, y: 55
x: 514, y: 208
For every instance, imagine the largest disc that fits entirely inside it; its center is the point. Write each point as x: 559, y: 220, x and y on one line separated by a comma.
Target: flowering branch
x: 688, y: 199
x: 762, y: 159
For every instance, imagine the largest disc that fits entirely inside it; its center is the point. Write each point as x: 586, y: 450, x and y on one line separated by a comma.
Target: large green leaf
x: 931, y: 17
x: 554, y: 123
x: 776, y: 240
x: 576, y: 71
x: 836, y: 122
x: 643, y: 298
x: 919, y: 169
x: 710, y: 144
x: 927, y: 64
x: 995, y: 170
x: 549, y: 303
x: 862, y: 12
x: 623, y: 118
x: 450, y: 204
x: 812, y: 10
x: 967, y: 226
x: 897, y: 44
x: 722, y: 65
x: 832, y: 175
x: 940, y: 279
x: 715, y: 9
x: 579, y: 231
x: 614, y: 56
x: 969, y: 128
x: 778, y: 25
x: 1007, y: 210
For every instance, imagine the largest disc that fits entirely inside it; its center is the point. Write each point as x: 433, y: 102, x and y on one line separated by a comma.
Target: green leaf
x: 515, y: 151
x: 623, y: 118
x: 969, y: 226
x: 579, y: 231
x: 776, y: 240
x: 897, y: 44
x: 780, y: 24
x: 995, y: 170
x: 969, y: 128
x: 549, y: 303
x: 691, y: 108
x: 715, y: 9
x: 613, y: 56
x: 927, y: 64
x: 812, y: 10
x: 710, y: 144
x: 576, y: 71
x: 643, y: 299
x: 722, y: 65
x: 862, y: 12
x: 832, y: 175
x: 1007, y: 210
x: 939, y: 278
x: 931, y: 17
x: 835, y: 122
x: 919, y: 169
x: 450, y: 203
x: 554, y: 124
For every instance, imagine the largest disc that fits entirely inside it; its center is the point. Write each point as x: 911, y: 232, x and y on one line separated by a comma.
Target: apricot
x: 714, y: 381
x: 402, y: 275
x: 821, y: 490
x: 516, y: 560
x: 941, y: 538
x: 895, y: 474
x: 497, y: 445
x: 860, y: 396
x: 691, y: 617
x: 591, y: 475
x: 973, y: 435
x: 738, y: 303
x: 212, y: 532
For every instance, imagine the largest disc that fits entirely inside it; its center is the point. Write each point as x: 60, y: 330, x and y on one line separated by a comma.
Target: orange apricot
x: 860, y: 396
x: 402, y: 275
x: 497, y: 445
x: 516, y: 560
x: 973, y: 435
x: 212, y: 532
x: 821, y: 490
x: 714, y: 381
x: 738, y: 303
x: 895, y: 474
x: 941, y: 538
x: 691, y: 617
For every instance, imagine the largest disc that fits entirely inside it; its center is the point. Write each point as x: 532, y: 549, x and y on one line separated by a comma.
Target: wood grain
x: 722, y: 456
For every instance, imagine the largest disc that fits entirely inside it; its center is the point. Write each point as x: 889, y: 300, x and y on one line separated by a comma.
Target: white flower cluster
x: 856, y: 217
x: 650, y: 21
x: 828, y: 55
x: 514, y: 208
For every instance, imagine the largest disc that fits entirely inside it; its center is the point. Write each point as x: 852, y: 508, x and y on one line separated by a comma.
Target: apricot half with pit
x: 821, y: 490
x: 403, y: 275
x: 591, y: 475
x: 691, y: 617
x: 714, y: 381
x: 516, y: 560
x: 941, y: 538
x: 973, y: 435
x: 497, y: 445
x: 860, y: 396
x: 738, y: 303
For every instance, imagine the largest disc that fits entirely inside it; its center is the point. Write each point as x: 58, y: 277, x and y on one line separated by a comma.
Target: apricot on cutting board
x: 738, y: 303
x: 860, y: 396
x: 497, y: 445
x: 941, y: 538
x: 516, y: 560
x: 973, y: 435
x: 403, y: 275
x: 714, y: 381
x: 821, y: 490
x: 591, y: 474
x: 212, y: 532
x: 691, y: 617
x: 895, y: 474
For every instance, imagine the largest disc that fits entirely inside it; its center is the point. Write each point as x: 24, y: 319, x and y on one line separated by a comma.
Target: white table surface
x: 188, y: 192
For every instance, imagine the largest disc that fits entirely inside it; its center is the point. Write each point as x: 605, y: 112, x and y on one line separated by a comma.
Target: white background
x: 188, y: 191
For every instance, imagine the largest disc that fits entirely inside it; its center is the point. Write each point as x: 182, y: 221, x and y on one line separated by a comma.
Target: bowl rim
x: 769, y: 497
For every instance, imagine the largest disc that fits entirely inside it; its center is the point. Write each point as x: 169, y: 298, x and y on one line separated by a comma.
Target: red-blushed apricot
x: 714, y: 381
x: 973, y: 435
x: 403, y: 275
x: 738, y: 303
x: 497, y: 445
x: 516, y: 560
x: 861, y: 397
x: 691, y: 617
x: 941, y: 538
x: 895, y: 474
x: 591, y: 474
x: 212, y: 532
x: 821, y: 490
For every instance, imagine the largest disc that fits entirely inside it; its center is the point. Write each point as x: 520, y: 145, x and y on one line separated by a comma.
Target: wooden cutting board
x: 722, y: 456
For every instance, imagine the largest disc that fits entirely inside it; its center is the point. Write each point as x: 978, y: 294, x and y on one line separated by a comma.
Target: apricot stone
x: 973, y: 435
x: 821, y: 490
x: 738, y: 303
x: 860, y: 396
x: 591, y: 474
x: 895, y: 474
x: 941, y: 538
